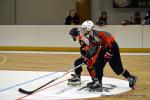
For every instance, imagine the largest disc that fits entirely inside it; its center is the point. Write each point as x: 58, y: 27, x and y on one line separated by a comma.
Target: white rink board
x: 29, y: 80
x: 131, y: 36
x: 128, y: 36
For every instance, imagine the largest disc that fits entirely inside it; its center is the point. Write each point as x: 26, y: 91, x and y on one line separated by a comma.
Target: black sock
x: 126, y: 74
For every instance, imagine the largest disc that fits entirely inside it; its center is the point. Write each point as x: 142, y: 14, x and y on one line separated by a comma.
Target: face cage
x: 74, y: 38
x: 83, y: 31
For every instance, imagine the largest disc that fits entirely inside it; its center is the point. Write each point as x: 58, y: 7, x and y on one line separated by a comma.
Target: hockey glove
x: 108, y: 55
x: 85, y: 61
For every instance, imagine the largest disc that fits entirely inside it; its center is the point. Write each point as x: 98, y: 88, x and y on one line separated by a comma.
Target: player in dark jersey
x: 109, y: 52
x: 76, y: 36
x: 85, y: 58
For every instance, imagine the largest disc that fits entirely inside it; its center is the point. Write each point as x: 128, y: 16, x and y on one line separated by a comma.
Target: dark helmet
x: 74, y: 32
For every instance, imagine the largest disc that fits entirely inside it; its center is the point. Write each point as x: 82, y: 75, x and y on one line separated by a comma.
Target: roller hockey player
x: 109, y: 53
x: 76, y: 78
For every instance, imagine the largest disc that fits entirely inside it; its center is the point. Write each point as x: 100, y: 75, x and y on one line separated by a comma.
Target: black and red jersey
x: 102, y: 38
x: 99, y: 38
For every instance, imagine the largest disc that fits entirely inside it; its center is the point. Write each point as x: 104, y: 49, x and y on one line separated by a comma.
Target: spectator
x: 125, y: 22
x: 147, y: 18
x: 102, y: 20
x: 72, y: 19
x: 137, y: 18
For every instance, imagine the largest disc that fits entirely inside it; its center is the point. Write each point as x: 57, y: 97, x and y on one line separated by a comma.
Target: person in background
x: 147, y: 18
x: 72, y: 19
x: 102, y: 20
x: 137, y: 18
x: 125, y: 22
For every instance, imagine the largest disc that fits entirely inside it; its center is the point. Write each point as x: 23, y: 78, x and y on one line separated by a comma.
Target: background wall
x: 43, y: 11
x: 134, y: 36
x: 54, y: 12
x: 34, y: 12
x: 7, y: 12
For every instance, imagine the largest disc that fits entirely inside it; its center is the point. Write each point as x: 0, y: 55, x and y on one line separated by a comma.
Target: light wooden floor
x: 138, y: 65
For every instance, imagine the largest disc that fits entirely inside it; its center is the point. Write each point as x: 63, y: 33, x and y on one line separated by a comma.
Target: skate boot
x: 132, y: 81
x: 74, y: 80
x: 95, y: 86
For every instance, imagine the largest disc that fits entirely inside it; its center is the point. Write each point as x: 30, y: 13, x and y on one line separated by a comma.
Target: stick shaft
x: 53, y: 79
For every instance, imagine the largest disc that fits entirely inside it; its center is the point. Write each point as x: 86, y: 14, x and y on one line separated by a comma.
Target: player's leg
x: 95, y: 85
x: 76, y: 77
x: 98, y: 66
x: 116, y: 64
x: 92, y: 73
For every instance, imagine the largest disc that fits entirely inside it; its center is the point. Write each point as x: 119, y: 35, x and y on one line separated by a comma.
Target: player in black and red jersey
x: 108, y: 52
x: 76, y: 36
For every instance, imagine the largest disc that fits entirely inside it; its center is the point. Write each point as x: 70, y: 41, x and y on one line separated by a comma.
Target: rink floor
x: 29, y: 70
x: 30, y: 80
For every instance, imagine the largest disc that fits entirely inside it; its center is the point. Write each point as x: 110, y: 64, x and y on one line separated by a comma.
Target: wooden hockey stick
x: 30, y: 92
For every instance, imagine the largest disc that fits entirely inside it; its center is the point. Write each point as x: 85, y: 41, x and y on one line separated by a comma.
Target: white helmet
x: 88, y: 25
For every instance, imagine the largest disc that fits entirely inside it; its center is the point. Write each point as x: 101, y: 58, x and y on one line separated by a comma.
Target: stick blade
x: 24, y: 91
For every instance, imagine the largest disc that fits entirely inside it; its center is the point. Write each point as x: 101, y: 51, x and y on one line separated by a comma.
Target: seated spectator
x: 125, y: 22
x: 147, y: 18
x: 102, y: 20
x: 137, y: 18
x: 72, y: 19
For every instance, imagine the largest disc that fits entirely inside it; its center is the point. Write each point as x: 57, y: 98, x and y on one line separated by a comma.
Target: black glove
x: 108, y: 55
x: 85, y: 61
x: 83, y: 51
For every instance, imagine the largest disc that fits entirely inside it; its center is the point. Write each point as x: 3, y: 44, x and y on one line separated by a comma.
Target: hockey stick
x: 30, y: 92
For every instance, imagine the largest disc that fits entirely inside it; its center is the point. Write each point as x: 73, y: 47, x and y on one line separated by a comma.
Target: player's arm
x: 107, y: 39
x: 83, y: 39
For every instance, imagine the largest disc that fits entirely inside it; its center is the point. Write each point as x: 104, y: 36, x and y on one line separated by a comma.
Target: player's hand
x: 108, y: 55
x: 85, y: 61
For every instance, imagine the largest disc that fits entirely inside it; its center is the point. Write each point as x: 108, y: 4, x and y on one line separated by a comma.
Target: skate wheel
x: 73, y: 84
x: 100, y: 90
x: 95, y: 90
x: 91, y: 90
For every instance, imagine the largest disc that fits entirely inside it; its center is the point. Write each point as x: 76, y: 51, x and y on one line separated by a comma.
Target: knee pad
x: 78, y: 62
x: 79, y: 69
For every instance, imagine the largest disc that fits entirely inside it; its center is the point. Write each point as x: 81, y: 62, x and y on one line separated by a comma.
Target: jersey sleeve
x: 83, y: 39
x: 107, y: 39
